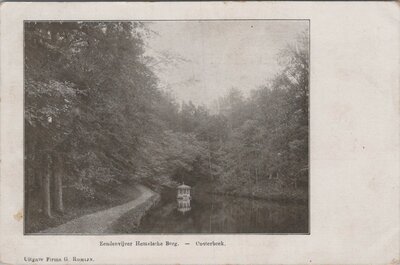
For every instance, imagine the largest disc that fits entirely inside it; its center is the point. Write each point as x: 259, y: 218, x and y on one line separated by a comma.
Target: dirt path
x: 98, y: 222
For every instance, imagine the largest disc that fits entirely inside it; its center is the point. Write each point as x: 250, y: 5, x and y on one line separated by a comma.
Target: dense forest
x: 96, y: 118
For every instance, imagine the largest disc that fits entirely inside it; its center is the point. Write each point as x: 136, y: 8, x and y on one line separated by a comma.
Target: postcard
x: 200, y: 133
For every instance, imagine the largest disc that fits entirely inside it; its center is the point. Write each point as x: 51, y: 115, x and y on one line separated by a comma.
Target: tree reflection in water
x: 207, y: 213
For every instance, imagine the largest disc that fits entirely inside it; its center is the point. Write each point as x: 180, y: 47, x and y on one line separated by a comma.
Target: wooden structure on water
x: 183, y: 192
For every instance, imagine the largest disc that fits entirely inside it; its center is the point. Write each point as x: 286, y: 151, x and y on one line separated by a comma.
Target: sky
x: 207, y: 58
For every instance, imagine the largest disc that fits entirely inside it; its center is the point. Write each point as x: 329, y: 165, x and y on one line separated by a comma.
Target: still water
x: 210, y: 213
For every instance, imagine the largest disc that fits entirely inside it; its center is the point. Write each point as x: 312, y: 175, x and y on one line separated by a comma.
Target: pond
x: 210, y: 213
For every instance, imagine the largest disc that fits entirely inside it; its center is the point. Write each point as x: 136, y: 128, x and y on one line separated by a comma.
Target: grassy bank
x: 271, y: 190
x: 295, y: 196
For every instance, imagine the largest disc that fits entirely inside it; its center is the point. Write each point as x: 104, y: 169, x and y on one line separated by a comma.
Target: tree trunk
x: 256, y: 177
x: 46, y: 190
x: 58, y: 192
x: 209, y: 158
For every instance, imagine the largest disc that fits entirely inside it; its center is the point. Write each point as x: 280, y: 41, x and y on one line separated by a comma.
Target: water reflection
x: 208, y: 213
x: 183, y: 205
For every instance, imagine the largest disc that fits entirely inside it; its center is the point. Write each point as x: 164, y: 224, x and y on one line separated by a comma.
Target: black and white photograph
x: 166, y: 127
x: 200, y: 132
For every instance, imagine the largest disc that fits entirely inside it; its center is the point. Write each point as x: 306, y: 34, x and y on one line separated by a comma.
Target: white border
x: 355, y: 211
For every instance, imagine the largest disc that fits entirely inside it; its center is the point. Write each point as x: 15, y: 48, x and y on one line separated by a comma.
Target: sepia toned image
x: 165, y: 127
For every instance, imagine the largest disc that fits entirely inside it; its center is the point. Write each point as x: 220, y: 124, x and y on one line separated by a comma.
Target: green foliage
x: 176, y: 154
x: 268, y: 136
x: 93, y: 102
x: 89, y: 99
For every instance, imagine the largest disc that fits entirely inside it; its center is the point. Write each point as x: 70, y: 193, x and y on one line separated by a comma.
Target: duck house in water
x: 184, y: 192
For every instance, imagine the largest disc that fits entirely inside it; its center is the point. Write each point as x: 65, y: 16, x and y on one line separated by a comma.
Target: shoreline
x: 274, y: 198
x: 132, y: 219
